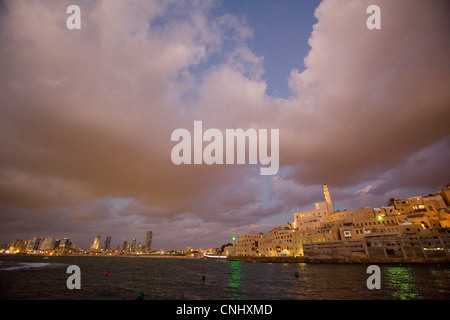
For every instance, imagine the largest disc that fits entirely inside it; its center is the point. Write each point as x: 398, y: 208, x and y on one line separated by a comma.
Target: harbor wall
x: 380, y: 249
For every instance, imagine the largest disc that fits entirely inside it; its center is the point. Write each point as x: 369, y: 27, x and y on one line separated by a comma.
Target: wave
x: 28, y: 265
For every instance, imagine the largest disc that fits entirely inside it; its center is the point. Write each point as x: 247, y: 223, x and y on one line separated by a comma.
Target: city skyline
x: 87, y: 115
x: 47, y: 243
x: 438, y: 200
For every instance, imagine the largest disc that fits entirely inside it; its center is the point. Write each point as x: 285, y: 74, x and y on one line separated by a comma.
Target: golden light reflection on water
x: 402, y: 282
x: 234, y: 281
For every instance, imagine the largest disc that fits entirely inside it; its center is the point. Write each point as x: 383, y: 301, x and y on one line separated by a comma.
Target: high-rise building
x: 37, y: 243
x: 133, y: 245
x: 30, y: 245
x: 17, y: 245
x: 48, y: 243
x: 125, y: 245
x: 107, y: 243
x: 96, y: 243
x: 148, y: 242
x: 65, y: 242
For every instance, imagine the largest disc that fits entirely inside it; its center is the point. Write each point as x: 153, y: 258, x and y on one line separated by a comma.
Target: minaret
x: 328, y: 198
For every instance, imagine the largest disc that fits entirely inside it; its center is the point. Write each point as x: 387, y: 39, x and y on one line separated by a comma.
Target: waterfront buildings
x: 49, y: 245
x: 37, y: 245
x: 410, y: 227
x: 280, y: 241
x: 416, y: 227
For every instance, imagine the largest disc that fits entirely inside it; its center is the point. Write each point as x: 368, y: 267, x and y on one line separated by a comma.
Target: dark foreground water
x: 34, y: 277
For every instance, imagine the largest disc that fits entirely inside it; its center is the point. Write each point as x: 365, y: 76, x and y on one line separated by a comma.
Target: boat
x: 213, y: 256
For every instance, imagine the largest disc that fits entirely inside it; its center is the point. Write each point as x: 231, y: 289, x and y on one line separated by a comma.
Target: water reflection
x: 234, y: 281
x: 402, y: 282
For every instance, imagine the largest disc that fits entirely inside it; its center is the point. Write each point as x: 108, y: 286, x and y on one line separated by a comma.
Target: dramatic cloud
x: 86, y: 117
x: 368, y: 99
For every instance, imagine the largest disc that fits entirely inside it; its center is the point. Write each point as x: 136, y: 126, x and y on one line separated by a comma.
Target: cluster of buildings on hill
x: 416, y: 227
x: 51, y: 245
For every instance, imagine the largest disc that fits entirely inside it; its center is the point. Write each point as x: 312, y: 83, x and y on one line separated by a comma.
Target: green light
x: 233, y: 290
x: 234, y: 238
x: 379, y: 217
x: 403, y: 283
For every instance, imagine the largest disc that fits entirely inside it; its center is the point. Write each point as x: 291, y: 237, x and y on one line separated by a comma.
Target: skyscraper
x: 107, y: 243
x: 133, y: 245
x: 96, y: 243
x: 148, y: 242
x: 37, y: 243
x: 65, y: 242
x: 17, y: 245
x: 125, y: 245
x: 30, y: 245
x: 48, y: 243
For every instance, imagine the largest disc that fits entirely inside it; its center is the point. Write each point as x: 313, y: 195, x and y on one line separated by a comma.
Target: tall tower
x: 125, y: 245
x: 148, y: 242
x: 64, y: 243
x: 96, y: 243
x: 328, y: 198
x: 107, y: 243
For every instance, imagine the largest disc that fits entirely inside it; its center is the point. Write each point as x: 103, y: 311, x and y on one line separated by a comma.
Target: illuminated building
x: 148, y: 242
x: 37, y: 243
x: 96, y: 243
x: 419, y: 204
x: 248, y: 244
x: 311, y: 219
x: 351, y: 215
x: 64, y: 243
x: 18, y: 245
x: 415, y: 227
x: 47, y: 244
x: 328, y: 198
x: 445, y: 194
x: 125, y: 245
x: 30, y: 245
x: 385, y: 211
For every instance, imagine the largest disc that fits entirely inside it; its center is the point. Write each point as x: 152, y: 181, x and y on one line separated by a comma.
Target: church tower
x: 328, y: 198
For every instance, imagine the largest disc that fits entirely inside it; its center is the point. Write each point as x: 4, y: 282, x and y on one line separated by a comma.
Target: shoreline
x: 340, y: 261
x: 302, y: 259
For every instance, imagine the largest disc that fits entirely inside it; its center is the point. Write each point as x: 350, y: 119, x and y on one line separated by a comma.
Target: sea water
x: 44, y: 278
